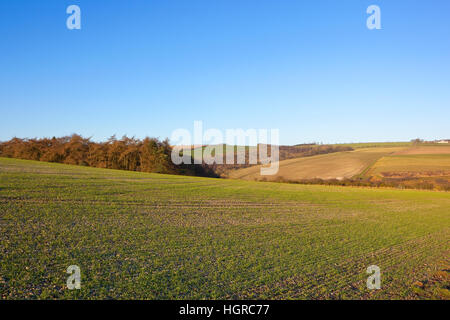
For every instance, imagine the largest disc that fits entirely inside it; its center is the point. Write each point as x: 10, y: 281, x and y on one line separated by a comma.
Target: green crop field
x: 151, y: 236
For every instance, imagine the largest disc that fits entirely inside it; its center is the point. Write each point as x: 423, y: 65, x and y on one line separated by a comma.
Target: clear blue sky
x: 145, y: 68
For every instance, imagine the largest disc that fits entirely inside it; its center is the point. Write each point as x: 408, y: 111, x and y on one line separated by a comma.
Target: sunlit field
x: 152, y: 236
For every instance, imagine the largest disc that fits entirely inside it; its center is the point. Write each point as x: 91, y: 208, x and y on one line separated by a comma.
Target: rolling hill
x: 329, y: 166
x: 423, y: 167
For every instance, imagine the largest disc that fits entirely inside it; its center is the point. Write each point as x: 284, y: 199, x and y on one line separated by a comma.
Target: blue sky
x: 312, y: 69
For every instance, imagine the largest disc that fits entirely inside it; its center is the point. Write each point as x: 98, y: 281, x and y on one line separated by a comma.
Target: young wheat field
x: 151, y: 236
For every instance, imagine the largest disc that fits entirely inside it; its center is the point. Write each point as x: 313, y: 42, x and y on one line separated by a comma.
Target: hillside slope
x: 329, y: 166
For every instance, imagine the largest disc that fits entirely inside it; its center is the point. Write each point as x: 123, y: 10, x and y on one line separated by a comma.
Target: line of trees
x: 147, y: 155
x: 432, y: 183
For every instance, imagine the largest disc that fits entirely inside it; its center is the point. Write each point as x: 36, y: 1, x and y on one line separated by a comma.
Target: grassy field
x: 328, y: 166
x: 434, y: 149
x: 363, y: 145
x: 419, y: 164
x: 242, y: 155
x: 425, y: 167
x: 151, y: 236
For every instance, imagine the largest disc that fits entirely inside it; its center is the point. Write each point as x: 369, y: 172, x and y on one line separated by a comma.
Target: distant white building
x: 443, y: 141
